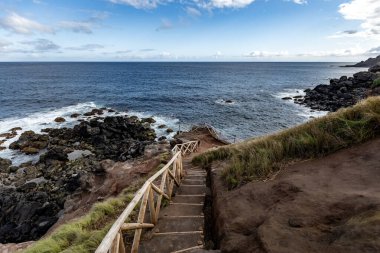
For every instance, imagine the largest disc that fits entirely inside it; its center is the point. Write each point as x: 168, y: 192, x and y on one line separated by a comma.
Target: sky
x: 189, y: 30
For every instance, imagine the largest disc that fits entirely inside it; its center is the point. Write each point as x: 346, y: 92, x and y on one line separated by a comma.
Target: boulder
x: 363, y: 77
x: 30, y: 150
x: 162, y: 138
x: 286, y: 98
x: 74, y: 115
x: 149, y: 120
x: 161, y: 126
x: 4, y: 165
x: 169, y: 130
x: 375, y: 68
x: 30, y: 139
x: 94, y: 112
x: 59, y: 120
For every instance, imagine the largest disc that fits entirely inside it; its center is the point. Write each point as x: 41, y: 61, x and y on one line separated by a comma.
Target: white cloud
x: 193, y: 12
x: 165, y: 25
x: 267, y: 54
x: 84, y: 26
x: 207, y: 4
x: 138, y: 4
x: 300, y: 1
x: 42, y: 45
x: 367, y: 11
x: 86, y: 47
x: 18, y: 24
x: 204, y: 4
x: 230, y: 3
x: 77, y: 26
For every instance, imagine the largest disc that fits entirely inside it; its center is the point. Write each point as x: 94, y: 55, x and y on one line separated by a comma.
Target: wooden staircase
x: 180, y: 225
x: 177, y: 227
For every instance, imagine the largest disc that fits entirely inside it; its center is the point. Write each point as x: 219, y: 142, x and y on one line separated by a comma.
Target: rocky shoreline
x: 33, y: 195
x: 342, y: 92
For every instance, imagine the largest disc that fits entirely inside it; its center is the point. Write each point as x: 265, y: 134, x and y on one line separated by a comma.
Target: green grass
x: 83, y: 235
x: 258, y: 158
x: 376, y: 83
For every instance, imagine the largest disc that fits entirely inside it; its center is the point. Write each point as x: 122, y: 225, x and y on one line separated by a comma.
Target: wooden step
x: 166, y: 243
x: 192, y: 189
x: 182, y: 210
x: 179, y: 224
x: 194, y: 198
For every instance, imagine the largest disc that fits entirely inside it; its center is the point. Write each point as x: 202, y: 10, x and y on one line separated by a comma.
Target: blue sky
x: 189, y: 30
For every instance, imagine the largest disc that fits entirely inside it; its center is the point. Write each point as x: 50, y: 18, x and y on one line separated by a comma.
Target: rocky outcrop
x: 342, y: 92
x: 367, y: 63
x: 30, y: 142
x: 32, y: 196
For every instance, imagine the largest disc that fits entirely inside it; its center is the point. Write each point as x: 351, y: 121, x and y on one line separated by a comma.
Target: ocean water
x: 176, y: 94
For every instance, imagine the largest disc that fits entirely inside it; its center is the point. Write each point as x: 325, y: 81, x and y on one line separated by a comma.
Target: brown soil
x: 325, y: 205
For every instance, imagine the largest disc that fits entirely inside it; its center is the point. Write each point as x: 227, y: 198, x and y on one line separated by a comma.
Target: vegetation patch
x: 84, y: 235
x: 376, y: 83
x: 257, y: 158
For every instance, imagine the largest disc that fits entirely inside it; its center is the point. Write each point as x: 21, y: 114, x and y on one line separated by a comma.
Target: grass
x: 258, y: 158
x: 83, y: 235
x: 376, y: 83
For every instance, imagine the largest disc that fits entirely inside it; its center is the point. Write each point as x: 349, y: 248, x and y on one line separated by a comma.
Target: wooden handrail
x: 186, y: 148
x: 171, y: 174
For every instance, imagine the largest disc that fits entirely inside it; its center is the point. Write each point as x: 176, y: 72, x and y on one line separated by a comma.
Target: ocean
x: 179, y: 95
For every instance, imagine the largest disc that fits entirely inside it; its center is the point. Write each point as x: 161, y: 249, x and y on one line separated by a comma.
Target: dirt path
x: 324, y: 205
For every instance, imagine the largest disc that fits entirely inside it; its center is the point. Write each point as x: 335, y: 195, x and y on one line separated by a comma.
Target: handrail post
x: 140, y: 219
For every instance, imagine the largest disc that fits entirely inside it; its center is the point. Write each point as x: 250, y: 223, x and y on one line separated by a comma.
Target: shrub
x: 376, y: 83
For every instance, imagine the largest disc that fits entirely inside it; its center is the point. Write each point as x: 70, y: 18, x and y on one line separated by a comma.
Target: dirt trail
x: 325, y: 205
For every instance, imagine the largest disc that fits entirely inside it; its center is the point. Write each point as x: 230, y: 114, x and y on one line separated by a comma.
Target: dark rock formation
x: 367, y: 63
x: 30, y: 142
x: 59, y: 120
x: 342, y: 92
x: 33, y: 195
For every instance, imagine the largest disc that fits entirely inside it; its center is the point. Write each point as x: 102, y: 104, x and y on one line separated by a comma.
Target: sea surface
x: 176, y: 94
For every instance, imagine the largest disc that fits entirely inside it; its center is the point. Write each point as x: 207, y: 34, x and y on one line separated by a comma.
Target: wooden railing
x: 186, y: 148
x: 157, y: 187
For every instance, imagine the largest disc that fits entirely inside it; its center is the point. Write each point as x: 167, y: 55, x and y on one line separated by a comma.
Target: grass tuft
x: 83, y: 235
x: 376, y: 83
x: 257, y: 158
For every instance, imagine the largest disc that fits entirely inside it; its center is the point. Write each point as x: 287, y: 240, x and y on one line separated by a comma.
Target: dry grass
x: 258, y: 158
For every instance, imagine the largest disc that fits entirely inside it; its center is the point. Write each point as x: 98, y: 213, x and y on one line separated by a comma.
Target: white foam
x: 289, y: 93
x: 300, y: 110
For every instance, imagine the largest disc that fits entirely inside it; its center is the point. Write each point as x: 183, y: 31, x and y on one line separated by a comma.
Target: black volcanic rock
x: 342, y: 92
x: 375, y: 68
x: 370, y: 62
x: 33, y: 195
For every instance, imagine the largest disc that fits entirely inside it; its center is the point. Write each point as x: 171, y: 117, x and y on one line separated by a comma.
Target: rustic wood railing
x: 186, y: 148
x: 150, y: 194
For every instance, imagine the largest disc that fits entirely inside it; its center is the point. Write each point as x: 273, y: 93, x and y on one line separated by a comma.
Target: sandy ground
x: 324, y: 205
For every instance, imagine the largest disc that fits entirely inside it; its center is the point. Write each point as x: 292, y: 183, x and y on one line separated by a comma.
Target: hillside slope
x: 330, y: 204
